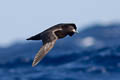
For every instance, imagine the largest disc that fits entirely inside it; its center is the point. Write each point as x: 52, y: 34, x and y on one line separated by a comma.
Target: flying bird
x: 50, y: 36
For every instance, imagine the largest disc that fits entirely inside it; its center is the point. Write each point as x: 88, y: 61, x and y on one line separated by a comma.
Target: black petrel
x: 50, y: 36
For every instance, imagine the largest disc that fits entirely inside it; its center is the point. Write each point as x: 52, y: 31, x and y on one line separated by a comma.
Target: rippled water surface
x: 93, y: 54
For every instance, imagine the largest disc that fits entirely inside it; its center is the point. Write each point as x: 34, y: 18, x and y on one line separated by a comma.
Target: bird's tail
x: 36, y: 37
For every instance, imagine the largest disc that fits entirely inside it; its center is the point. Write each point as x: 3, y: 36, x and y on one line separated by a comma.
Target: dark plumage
x: 50, y: 36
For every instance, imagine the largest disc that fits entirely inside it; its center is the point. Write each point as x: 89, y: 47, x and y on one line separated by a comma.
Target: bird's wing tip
x: 33, y: 64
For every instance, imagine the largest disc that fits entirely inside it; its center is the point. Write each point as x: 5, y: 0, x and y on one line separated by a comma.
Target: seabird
x: 50, y: 36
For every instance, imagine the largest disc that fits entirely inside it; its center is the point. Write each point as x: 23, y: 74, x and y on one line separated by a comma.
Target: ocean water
x: 93, y: 54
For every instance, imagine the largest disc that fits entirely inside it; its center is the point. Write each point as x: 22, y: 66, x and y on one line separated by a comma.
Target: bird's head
x: 70, y: 28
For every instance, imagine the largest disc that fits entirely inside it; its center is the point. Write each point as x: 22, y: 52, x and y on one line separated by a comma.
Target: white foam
x: 88, y: 41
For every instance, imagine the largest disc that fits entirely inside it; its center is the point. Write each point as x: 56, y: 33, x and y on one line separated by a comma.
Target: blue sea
x: 92, y: 54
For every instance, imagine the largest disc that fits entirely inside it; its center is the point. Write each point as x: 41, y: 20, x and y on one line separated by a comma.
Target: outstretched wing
x: 42, y: 52
x: 48, y: 42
